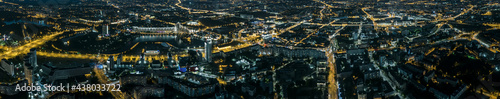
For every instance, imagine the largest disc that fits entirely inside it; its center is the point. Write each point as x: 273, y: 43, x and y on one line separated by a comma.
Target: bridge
x: 131, y: 58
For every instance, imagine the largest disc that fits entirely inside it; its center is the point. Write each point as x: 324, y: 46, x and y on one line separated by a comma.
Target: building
x: 31, y: 57
x: 52, y: 73
x: 208, y: 50
x: 449, y: 80
x: 123, y: 65
x: 321, y: 66
x: 10, y: 88
x: 110, y: 63
x: 190, y: 84
x: 178, y: 28
x: 227, y: 95
x: 156, y: 65
x: 7, y: 67
x: 142, y: 63
x: 30, y: 64
x: 354, y: 52
x: 455, y: 95
x: 287, y: 52
x: 28, y: 72
x: 148, y: 92
x: 249, y: 89
x: 371, y: 74
x: 119, y: 59
x: 133, y: 79
x: 105, y: 30
x: 153, y: 29
x: 428, y: 76
x: 417, y: 85
x: 360, y: 90
x: 269, y: 25
x: 405, y: 73
x: 246, y: 16
x: 497, y: 67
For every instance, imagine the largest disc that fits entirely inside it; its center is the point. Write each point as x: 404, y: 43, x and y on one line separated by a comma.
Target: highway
x: 132, y: 58
x: 321, y: 13
x: 330, y: 54
x: 276, y: 35
x: 189, y: 9
x: 312, y: 33
x: 328, y: 5
x: 13, y: 52
x: 493, y: 26
x: 196, y: 10
x: 471, y: 36
x: 104, y: 80
x: 453, y: 18
x: 332, y: 83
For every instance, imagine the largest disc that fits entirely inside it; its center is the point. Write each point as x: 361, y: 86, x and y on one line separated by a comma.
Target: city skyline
x: 257, y: 49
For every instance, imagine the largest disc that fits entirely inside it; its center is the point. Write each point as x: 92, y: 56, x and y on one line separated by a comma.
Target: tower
x: 28, y: 72
x: 208, y: 50
x: 105, y: 29
x: 142, y: 57
x: 7, y: 67
x: 170, y: 60
x: 33, y: 60
x: 177, y: 26
x: 119, y: 59
x: 142, y: 63
x: 111, y: 62
x: 30, y: 63
x: 28, y: 68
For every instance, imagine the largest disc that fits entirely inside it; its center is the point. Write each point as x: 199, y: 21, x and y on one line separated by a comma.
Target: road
x: 104, y: 80
x: 104, y: 56
x: 328, y: 5
x: 384, y: 76
x: 13, y: 52
x: 332, y: 83
x: 368, y: 15
x: 330, y: 54
x: 453, y: 18
x: 312, y: 33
